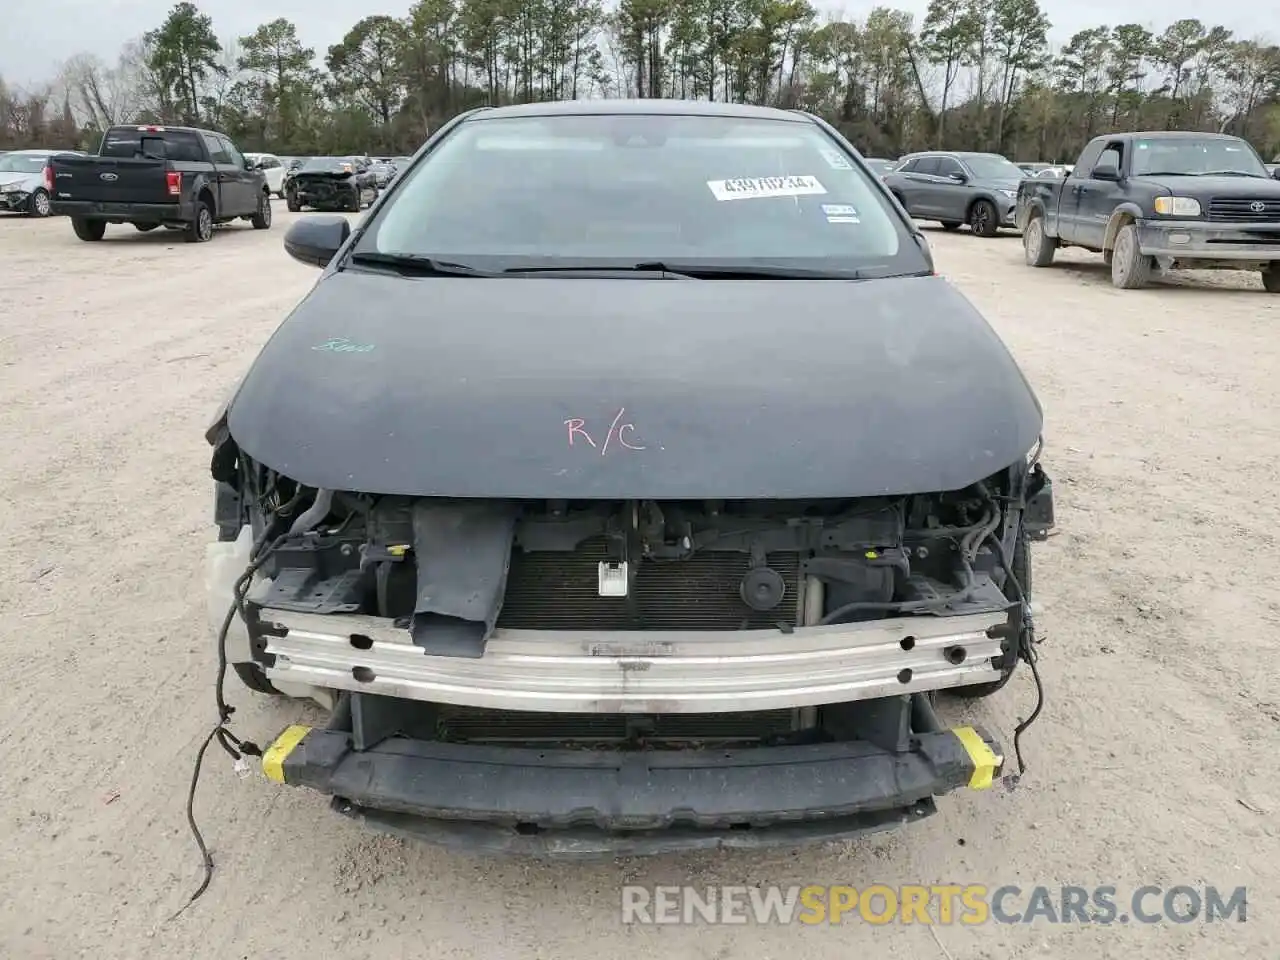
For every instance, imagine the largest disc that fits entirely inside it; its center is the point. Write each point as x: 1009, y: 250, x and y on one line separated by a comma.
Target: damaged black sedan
x: 331, y: 183
x: 629, y: 482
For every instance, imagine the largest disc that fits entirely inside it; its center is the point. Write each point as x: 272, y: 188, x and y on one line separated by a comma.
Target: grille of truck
x: 469, y: 725
x: 1242, y: 209
x: 560, y: 591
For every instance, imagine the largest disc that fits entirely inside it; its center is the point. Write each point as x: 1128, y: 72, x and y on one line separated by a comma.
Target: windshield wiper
x: 419, y: 265
x: 702, y: 271
x: 1200, y: 173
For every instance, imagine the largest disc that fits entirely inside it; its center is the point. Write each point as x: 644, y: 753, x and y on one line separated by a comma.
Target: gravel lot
x: 1154, y: 763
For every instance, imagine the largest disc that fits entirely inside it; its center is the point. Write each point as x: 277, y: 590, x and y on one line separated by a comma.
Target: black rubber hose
x: 923, y: 717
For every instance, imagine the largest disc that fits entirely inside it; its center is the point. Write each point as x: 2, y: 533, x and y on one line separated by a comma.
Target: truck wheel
x: 200, y: 230
x: 1036, y: 245
x: 262, y: 219
x: 983, y: 220
x: 1021, y: 564
x: 89, y: 230
x: 291, y: 203
x: 1271, y: 278
x: 38, y: 205
x: 251, y: 676
x: 1130, y: 270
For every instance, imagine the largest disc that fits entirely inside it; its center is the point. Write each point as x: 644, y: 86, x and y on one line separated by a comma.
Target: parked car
x: 383, y: 172
x: 22, y: 182
x: 627, y: 595
x: 181, y: 178
x: 979, y: 189
x: 331, y: 183
x: 272, y: 169
x: 1159, y: 199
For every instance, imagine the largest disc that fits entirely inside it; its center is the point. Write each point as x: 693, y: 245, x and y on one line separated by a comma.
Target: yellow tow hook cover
x: 274, y: 756
x: 985, y: 760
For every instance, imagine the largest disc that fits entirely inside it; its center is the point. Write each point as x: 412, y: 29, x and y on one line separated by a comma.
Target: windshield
x: 327, y: 165
x: 992, y: 167
x: 1186, y: 155
x: 506, y: 193
x: 22, y: 162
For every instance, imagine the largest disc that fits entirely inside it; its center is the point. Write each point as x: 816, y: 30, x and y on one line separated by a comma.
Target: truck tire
x: 89, y: 230
x: 251, y: 676
x: 1037, y: 246
x: 262, y: 219
x: 38, y: 204
x: 200, y: 229
x: 1021, y: 564
x: 1130, y: 270
x: 983, y: 219
x: 1271, y: 277
x: 291, y: 202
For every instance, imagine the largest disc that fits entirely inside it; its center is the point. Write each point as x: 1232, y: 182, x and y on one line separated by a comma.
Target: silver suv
x: 979, y: 189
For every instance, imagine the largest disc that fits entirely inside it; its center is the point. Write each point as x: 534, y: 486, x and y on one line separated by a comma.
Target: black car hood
x: 322, y: 175
x: 634, y: 389
x: 1246, y: 188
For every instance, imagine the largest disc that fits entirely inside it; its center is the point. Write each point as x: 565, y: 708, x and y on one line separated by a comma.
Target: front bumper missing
x: 660, y: 672
x: 14, y: 201
x: 557, y: 802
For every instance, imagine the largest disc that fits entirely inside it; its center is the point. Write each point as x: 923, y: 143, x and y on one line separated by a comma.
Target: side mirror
x: 250, y: 164
x: 1106, y: 171
x: 958, y: 177
x: 1275, y: 173
x: 315, y: 240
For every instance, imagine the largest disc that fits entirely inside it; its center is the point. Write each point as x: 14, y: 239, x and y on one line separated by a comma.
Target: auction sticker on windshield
x: 750, y: 188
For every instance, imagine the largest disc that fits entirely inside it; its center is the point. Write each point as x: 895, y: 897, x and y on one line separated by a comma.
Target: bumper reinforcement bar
x: 557, y: 802
x: 603, y: 671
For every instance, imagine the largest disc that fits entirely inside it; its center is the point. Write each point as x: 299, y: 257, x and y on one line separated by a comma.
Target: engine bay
x: 454, y: 571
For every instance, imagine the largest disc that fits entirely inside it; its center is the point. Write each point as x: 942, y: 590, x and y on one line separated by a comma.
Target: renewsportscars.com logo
x: 937, y: 904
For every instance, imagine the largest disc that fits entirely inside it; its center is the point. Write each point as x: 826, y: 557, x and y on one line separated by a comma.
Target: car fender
x: 1127, y: 212
x: 982, y: 193
x: 1031, y: 205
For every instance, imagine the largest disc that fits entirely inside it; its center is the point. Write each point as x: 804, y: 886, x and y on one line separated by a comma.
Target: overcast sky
x: 43, y: 33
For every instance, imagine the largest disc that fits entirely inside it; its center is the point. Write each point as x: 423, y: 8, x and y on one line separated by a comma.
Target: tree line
x: 974, y: 74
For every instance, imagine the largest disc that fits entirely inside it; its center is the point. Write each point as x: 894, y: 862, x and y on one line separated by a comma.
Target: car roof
x: 1166, y: 134
x: 645, y: 107
x: 960, y: 154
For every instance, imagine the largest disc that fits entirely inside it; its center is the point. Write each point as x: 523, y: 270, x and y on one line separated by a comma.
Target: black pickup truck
x: 152, y: 176
x: 1167, y: 200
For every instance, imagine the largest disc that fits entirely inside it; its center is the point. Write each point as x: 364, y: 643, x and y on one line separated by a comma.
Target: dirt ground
x: 1155, y: 761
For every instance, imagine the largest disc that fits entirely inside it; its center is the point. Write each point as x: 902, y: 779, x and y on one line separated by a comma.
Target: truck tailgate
x: 111, y: 180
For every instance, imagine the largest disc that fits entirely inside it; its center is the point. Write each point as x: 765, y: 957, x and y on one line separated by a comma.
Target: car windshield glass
x: 327, y: 165
x: 513, y: 192
x: 1192, y: 156
x: 22, y: 163
x: 989, y: 167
